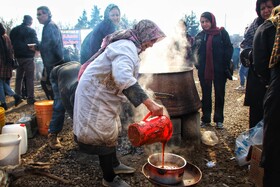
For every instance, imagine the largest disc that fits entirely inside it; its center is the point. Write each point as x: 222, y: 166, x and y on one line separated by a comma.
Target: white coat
x: 99, y: 94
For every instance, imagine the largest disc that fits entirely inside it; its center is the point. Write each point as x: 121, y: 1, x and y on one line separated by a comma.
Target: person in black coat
x: 214, y: 51
x: 6, y: 54
x: 266, y: 62
x: 21, y: 36
x: 65, y: 79
x: 256, y: 87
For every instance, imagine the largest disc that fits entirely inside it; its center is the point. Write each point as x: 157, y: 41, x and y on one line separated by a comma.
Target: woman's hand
x: 152, y: 106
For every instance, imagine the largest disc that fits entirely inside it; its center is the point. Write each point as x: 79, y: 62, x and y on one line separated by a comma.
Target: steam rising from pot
x: 169, y: 53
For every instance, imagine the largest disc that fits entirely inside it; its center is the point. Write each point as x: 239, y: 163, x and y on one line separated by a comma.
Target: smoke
x: 165, y: 56
x: 141, y: 111
x: 169, y: 53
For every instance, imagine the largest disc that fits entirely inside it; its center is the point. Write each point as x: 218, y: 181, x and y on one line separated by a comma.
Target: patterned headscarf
x: 214, y: 30
x: 143, y: 31
x: 275, y: 54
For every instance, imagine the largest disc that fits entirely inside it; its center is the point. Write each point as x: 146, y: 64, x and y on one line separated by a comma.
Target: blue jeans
x: 243, y: 72
x: 58, y: 115
x: 5, y: 89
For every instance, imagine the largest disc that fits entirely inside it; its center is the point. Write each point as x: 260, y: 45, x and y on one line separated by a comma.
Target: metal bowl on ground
x: 170, y: 171
x: 191, y: 177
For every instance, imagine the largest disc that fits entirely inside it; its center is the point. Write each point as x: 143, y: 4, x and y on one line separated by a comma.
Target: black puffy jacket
x: 20, y: 36
x: 66, y: 77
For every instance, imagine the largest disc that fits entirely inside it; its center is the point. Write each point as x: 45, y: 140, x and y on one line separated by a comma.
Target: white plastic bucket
x: 18, y: 129
x: 9, y: 149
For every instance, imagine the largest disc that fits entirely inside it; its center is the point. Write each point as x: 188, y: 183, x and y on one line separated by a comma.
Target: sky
x: 233, y: 15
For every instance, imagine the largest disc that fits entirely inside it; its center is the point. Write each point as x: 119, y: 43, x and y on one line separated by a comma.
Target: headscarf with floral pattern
x: 143, y: 31
x: 275, y: 54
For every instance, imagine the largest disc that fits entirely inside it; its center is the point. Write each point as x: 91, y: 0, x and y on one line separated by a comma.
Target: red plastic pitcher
x: 150, y: 130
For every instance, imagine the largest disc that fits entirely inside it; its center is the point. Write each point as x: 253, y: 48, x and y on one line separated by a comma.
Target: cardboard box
x: 256, y: 172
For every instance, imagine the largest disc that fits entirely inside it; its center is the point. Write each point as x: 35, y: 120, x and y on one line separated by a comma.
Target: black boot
x: 18, y: 99
x: 4, y: 105
x: 31, y: 101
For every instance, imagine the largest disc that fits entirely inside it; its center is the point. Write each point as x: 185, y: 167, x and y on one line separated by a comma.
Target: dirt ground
x: 70, y: 167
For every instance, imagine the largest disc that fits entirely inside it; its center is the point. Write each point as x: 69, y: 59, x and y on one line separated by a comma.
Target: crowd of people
x: 260, y: 54
x: 92, y: 85
x: 266, y: 64
x: 118, y: 57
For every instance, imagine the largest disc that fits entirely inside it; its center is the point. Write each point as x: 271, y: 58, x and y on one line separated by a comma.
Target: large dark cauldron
x: 176, y: 90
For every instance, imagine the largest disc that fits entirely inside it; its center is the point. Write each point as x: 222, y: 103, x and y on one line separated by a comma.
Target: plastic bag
x: 253, y: 136
x: 209, y: 138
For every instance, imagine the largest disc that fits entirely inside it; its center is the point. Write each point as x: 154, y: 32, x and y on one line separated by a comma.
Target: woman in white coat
x: 105, y: 81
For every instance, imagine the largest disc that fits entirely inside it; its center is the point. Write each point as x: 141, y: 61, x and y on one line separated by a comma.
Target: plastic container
x: 30, y: 123
x: 2, y: 118
x: 150, y: 130
x: 209, y: 138
x: 9, y: 149
x: 43, y: 111
x: 245, y: 140
x: 21, y: 130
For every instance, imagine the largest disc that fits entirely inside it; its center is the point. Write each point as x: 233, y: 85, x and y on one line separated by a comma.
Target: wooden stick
x: 51, y: 176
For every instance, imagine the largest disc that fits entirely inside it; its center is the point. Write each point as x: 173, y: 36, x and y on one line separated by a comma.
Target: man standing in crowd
x: 51, y: 49
x: 21, y: 36
x: 76, y: 53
